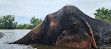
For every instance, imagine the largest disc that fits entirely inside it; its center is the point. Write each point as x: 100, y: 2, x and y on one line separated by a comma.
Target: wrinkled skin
x: 68, y: 27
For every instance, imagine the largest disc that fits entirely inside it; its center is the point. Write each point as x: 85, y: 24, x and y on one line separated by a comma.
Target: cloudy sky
x: 26, y: 9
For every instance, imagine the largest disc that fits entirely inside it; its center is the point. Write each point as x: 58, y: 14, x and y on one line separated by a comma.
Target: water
x: 11, y: 36
x: 15, y: 34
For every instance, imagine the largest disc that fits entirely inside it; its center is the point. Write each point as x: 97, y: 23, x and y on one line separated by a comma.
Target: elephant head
x: 62, y: 28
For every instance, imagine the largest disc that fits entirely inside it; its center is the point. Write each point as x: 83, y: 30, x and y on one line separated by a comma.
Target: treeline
x: 8, y: 22
x: 103, y: 14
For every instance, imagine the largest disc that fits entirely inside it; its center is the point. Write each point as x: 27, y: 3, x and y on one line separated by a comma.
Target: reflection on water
x: 13, y: 35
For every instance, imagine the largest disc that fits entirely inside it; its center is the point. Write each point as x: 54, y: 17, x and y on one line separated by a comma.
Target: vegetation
x: 103, y: 14
x: 24, y: 26
x: 35, y: 22
x: 8, y: 22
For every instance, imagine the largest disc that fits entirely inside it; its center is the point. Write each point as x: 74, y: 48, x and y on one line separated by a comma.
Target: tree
x: 19, y: 26
x: 8, y: 22
x: 35, y: 22
x: 1, y: 26
x: 24, y: 26
x: 103, y: 14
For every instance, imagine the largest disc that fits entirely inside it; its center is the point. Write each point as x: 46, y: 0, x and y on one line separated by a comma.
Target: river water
x: 11, y: 36
x: 15, y: 34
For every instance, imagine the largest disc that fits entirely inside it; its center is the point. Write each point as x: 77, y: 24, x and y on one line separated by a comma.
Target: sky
x: 24, y: 10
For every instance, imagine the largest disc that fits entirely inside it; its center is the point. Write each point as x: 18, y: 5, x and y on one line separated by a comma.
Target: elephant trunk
x: 30, y: 37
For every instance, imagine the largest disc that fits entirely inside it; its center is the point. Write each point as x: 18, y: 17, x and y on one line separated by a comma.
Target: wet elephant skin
x: 70, y: 27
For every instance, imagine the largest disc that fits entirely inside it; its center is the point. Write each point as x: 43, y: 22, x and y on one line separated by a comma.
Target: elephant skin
x: 72, y: 28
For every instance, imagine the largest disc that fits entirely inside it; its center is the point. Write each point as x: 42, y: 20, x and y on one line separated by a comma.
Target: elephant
x: 70, y: 27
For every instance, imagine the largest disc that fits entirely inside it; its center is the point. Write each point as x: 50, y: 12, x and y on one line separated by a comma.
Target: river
x: 12, y: 35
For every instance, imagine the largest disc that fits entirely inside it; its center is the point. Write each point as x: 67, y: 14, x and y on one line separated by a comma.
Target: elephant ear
x: 92, y: 36
x: 81, y: 36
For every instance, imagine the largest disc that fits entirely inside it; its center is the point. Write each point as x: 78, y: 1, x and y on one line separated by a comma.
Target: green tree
x: 35, y: 22
x: 28, y: 26
x: 8, y: 22
x: 19, y: 26
x: 24, y: 26
x: 1, y: 25
x: 103, y: 14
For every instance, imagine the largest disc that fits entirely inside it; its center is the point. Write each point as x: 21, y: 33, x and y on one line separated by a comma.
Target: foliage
x: 103, y: 14
x: 24, y: 26
x: 35, y: 22
x: 7, y: 22
x: 1, y: 23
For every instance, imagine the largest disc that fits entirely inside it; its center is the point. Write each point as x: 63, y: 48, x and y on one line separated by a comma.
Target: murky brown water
x: 13, y: 35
